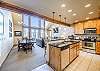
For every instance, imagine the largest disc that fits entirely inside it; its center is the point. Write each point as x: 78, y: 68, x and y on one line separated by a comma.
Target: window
x: 34, y: 21
x: 26, y: 20
x: 26, y: 32
x: 42, y: 23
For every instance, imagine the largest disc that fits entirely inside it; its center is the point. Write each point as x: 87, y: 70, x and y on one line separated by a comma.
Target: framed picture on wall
x: 10, y: 28
x: 55, y: 30
x: 1, y: 23
x: 17, y: 33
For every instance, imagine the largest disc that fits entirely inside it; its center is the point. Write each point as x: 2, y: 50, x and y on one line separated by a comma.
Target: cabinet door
x: 86, y: 24
x: 79, y: 28
x: 64, y: 58
x: 71, y: 53
x: 98, y: 47
x: 74, y: 52
x: 76, y: 29
x: 92, y: 24
x: 98, y: 31
x: 98, y: 26
x: 80, y: 25
x: 78, y: 47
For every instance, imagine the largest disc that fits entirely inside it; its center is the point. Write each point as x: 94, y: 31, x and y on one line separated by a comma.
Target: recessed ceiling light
x: 74, y: 14
x: 18, y: 22
x: 90, y: 13
x: 69, y: 10
x: 87, y: 18
x: 18, y: 15
x: 76, y: 20
x: 88, y: 5
x: 63, y: 5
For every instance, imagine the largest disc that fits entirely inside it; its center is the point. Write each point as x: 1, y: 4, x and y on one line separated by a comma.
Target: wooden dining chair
x: 20, y: 46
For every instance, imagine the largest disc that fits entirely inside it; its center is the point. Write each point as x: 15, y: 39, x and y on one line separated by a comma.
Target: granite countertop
x: 64, y: 45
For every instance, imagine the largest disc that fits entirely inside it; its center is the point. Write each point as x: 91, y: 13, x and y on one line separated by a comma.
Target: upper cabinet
x: 79, y: 28
x: 90, y: 24
x: 98, y: 27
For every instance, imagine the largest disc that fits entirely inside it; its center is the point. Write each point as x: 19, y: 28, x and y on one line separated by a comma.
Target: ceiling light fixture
x: 63, y: 5
x: 69, y: 10
x: 88, y: 5
x: 87, y: 18
x: 90, y: 13
x: 65, y: 19
x: 18, y: 15
x: 74, y: 14
x: 76, y: 20
x: 60, y: 17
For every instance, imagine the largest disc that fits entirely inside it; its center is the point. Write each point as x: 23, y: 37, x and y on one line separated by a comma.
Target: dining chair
x: 19, y: 45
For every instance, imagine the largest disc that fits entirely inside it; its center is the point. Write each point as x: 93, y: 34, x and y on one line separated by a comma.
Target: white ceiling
x: 46, y: 7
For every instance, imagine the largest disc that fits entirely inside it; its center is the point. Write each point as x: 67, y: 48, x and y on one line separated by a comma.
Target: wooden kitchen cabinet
x: 61, y: 57
x: 73, y: 52
x: 77, y: 49
x: 98, y: 31
x: 79, y: 28
x: 98, y: 47
x: 86, y: 25
x: 64, y: 58
x: 98, y: 27
x: 90, y: 24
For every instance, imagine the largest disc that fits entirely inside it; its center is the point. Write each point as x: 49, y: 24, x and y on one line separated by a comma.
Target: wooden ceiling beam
x: 17, y: 9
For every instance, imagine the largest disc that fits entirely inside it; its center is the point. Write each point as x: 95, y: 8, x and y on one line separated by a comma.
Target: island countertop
x: 64, y: 45
x: 61, y: 54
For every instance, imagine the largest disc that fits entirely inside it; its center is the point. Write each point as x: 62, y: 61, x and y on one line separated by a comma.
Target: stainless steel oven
x: 90, y: 31
x: 89, y: 38
x: 89, y: 45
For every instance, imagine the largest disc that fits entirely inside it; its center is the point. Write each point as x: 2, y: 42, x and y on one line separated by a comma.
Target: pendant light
x: 53, y: 16
x: 65, y: 19
x: 60, y: 20
x: 60, y: 17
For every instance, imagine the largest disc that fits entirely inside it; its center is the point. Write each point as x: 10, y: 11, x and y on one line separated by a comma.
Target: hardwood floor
x: 85, y: 62
x: 20, y: 61
x: 44, y: 67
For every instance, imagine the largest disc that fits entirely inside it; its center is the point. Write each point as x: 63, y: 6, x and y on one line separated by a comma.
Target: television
x: 17, y: 33
x: 55, y: 30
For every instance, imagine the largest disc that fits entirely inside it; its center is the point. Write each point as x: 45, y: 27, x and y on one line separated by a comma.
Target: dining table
x: 26, y: 44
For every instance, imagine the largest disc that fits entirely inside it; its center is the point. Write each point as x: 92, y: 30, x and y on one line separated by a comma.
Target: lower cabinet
x: 78, y: 49
x: 64, y: 58
x: 61, y: 58
x: 98, y: 47
x: 74, y: 51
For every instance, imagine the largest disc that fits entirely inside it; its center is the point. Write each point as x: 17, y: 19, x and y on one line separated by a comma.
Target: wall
x: 63, y: 31
x: 6, y: 42
x: 17, y: 20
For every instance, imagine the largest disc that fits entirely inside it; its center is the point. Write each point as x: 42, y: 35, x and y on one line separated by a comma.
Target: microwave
x: 90, y: 31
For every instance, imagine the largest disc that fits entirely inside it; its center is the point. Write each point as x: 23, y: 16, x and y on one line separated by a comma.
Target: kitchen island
x: 62, y: 54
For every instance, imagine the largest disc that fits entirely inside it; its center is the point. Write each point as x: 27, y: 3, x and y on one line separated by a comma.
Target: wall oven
x: 89, y: 38
x: 89, y: 45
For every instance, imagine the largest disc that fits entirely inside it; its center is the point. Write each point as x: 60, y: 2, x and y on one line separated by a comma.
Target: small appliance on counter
x: 71, y: 37
x: 74, y: 37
